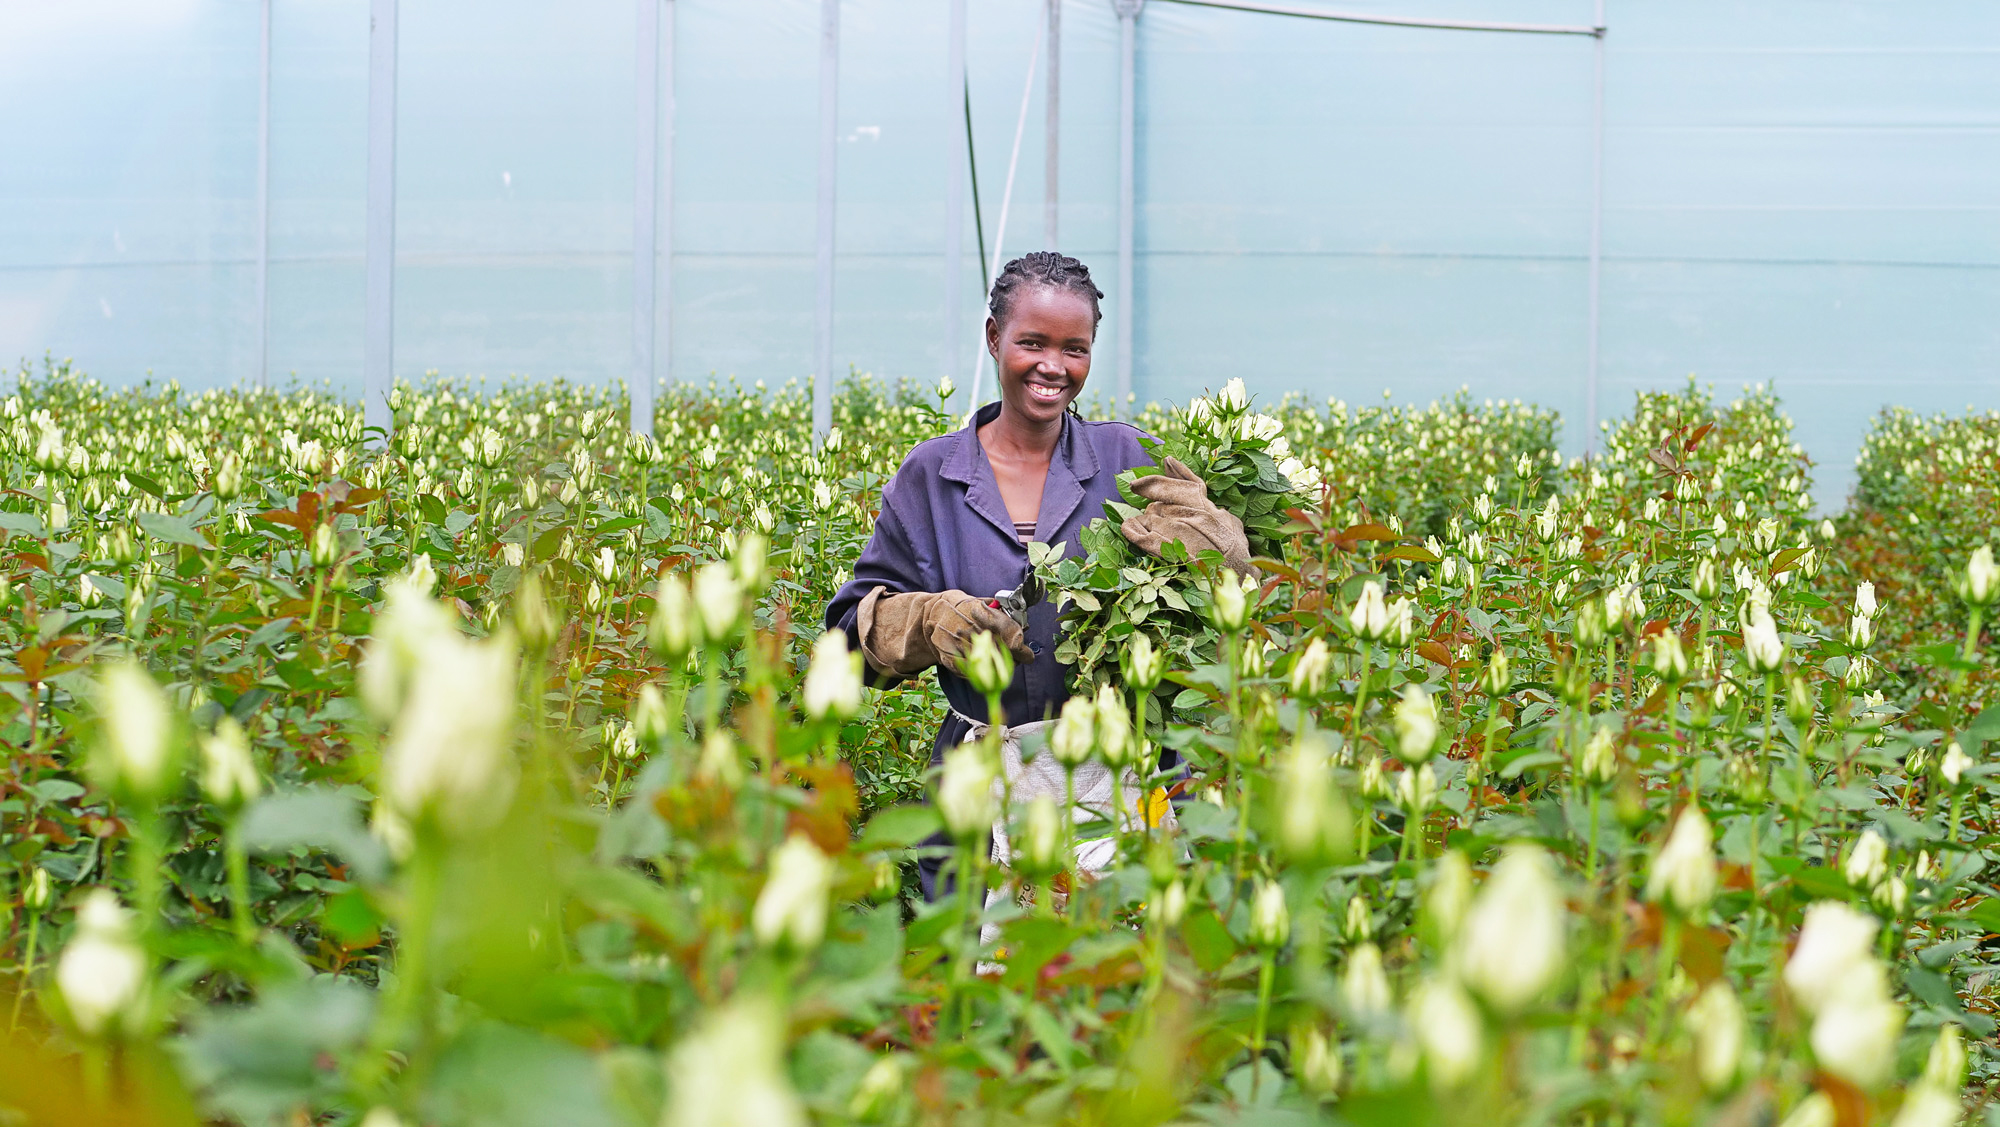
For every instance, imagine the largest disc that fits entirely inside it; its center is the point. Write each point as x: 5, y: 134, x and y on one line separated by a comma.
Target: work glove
x: 1179, y: 509
x: 902, y: 635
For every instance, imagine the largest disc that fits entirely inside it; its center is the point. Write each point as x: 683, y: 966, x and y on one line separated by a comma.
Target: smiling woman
x: 958, y: 516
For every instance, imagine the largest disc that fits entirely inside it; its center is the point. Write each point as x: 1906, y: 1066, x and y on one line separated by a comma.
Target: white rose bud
x: 1449, y: 1030
x: 791, y: 909
x: 1955, y: 763
x: 1316, y: 1061
x: 1309, y: 669
x: 1981, y: 581
x: 673, y: 628
x: 1114, y: 727
x: 1270, y: 920
x: 730, y: 1072
x: 102, y: 973
x: 1364, y: 986
x: 1512, y: 946
x: 1416, y: 722
x: 228, y: 773
x: 1683, y: 876
x: 1230, y: 601
x: 965, y: 792
x: 1041, y: 847
x: 1369, y: 617
x: 1944, y: 1067
x: 718, y: 601
x: 833, y: 681
x: 1867, y: 860
x: 1312, y: 823
x: 1834, y: 953
x: 1762, y: 645
x: 134, y: 753
x: 1716, y: 1019
x: 1142, y: 664
x: 1927, y: 1106
x: 1074, y: 734
x: 987, y: 664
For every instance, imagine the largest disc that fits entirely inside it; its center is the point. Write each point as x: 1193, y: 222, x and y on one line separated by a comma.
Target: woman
x: 960, y: 511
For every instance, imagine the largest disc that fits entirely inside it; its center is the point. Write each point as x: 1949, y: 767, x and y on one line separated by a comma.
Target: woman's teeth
x: 1045, y: 391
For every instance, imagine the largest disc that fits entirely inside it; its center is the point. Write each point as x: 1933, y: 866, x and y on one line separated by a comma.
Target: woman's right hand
x: 908, y: 633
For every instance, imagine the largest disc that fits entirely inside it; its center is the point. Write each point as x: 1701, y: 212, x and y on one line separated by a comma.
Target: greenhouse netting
x: 1798, y: 192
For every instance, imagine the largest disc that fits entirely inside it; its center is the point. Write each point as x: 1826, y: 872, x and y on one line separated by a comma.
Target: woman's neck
x: 1011, y: 435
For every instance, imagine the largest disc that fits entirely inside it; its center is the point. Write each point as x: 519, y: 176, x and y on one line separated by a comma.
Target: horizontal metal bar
x: 1392, y: 21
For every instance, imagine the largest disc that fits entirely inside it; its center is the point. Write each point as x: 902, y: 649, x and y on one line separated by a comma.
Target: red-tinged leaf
x: 1412, y: 552
x: 1694, y: 439
x: 1785, y: 559
x: 1664, y: 460
x: 33, y: 660
x: 358, y: 499
x: 1277, y: 568
x: 1368, y: 531
x: 286, y: 517
x: 1656, y: 626
x: 1433, y: 652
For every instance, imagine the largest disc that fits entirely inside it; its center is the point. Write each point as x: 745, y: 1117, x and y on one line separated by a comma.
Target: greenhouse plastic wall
x: 1799, y: 191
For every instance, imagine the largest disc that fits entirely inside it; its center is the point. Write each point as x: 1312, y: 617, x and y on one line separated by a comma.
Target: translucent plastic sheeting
x: 1797, y: 191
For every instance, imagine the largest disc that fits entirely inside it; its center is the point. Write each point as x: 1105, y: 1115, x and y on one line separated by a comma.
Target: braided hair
x: 1043, y: 268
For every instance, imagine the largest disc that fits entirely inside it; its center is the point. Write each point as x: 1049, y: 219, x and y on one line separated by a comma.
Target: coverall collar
x: 1072, y: 463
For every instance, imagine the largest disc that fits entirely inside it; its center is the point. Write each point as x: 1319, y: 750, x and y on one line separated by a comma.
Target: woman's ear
x: 993, y: 339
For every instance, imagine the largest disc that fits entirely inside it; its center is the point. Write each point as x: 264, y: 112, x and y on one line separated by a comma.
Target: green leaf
x: 315, y: 818
x: 1985, y: 914
x: 23, y: 524
x: 146, y: 484
x: 172, y: 529
x: 1208, y: 940
x: 1822, y: 883
x: 899, y: 827
x: 1985, y: 726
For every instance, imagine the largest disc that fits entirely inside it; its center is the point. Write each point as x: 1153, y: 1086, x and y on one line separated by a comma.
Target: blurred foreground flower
x: 449, y: 755
x: 1448, y: 1027
x: 134, y: 753
x: 228, y: 774
x: 791, y: 910
x: 1716, y: 1019
x: 730, y: 1072
x: 965, y: 791
x: 1835, y: 976
x: 1979, y: 585
x: 102, y: 973
x: 1684, y: 874
x: 1416, y: 724
x: 833, y: 682
x: 1511, y: 948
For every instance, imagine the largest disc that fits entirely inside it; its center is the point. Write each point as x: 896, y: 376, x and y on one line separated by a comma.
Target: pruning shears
x: 1015, y: 601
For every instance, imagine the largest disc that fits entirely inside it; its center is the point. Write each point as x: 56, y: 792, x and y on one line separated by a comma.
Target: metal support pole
x: 379, y: 347
x: 1590, y: 406
x: 956, y: 158
x: 1128, y: 63
x: 645, y: 204
x: 829, y: 158
x: 663, y: 231
x: 1052, y: 184
x: 264, y: 197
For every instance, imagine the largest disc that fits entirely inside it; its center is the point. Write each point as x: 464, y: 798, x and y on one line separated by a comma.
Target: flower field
x: 501, y: 775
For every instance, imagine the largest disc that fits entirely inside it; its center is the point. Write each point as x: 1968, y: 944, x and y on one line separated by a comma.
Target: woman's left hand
x: 1179, y: 509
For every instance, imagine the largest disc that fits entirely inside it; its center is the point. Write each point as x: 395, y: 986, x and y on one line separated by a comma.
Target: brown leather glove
x: 905, y: 634
x: 1179, y: 509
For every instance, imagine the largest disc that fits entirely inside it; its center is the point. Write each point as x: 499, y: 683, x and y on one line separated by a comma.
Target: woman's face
x: 1043, y: 352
